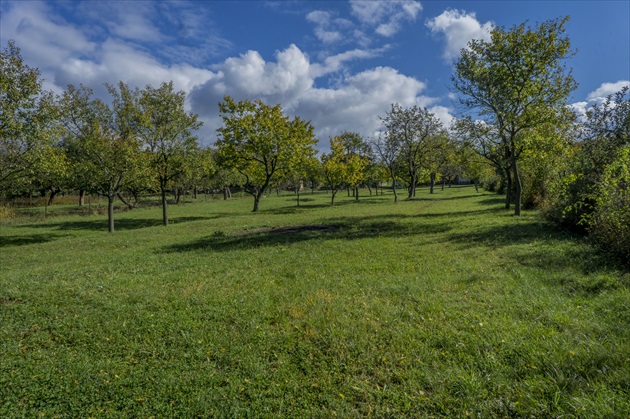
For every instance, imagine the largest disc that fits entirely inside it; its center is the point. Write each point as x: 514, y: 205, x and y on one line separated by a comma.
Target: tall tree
x: 166, y: 130
x: 516, y: 82
x: 261, y: 142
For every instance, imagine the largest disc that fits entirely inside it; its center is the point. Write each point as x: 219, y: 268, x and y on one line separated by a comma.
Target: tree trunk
x: 443, y: 182
x: 356, y: 193
x: 53, y: 193
x: 476, y: 186
x: 391, y: 172
x: 225, y: 193
x: 508, y: 192
x: 332, y: 200
x: 257, y: 201
x: 519, y: 189
x: 164, y: 207
x: 124, y: 201
x: 195, y: 192
x: 81, y: 197
x: 433, y: 176
x: 370, y: 189
x: 412, y: 188
x: 178, y: 195
x: 110, y: 212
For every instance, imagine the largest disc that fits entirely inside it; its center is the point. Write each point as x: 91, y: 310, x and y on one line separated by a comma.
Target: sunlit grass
x: 441, y: 306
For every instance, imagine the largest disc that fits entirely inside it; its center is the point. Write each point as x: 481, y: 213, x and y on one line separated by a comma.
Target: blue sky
x: 339, y: 64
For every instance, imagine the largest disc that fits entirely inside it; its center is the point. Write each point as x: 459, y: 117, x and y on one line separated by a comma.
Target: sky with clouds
x: 340, y: 64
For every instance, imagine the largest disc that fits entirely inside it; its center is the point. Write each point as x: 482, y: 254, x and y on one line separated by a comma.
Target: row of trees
x: 516, y: 134
x: 142, y: 140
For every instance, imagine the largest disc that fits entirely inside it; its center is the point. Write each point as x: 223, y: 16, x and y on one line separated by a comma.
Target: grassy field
x: 444, y: 306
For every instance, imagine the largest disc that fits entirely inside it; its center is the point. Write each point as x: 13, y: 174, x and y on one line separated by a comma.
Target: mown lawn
x: 446, y: 305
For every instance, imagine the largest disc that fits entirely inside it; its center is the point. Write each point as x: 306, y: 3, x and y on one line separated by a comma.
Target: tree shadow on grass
x: 510, y: 234
x: 119, y: 224
x: 346, y: 229
x: 13, y: 241
x: 598, y: 271
x: 494, y: 200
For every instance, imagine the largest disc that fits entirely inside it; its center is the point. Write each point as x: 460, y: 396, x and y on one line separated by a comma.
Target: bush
x: 609, y: 225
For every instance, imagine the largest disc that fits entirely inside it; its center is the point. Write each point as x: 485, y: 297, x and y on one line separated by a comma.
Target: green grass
x: 444, y: 306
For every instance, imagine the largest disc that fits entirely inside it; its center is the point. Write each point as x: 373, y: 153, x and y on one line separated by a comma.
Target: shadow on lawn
x: 119, y: 224
x: 12, y: 241
x: 343, y: 228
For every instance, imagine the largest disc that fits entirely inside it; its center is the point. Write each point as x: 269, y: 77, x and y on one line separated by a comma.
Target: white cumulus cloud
x: 457, y: 28
x: 607, y: 89
x: 354, y: 102
x: 386, y: 17
x: 597, y: 96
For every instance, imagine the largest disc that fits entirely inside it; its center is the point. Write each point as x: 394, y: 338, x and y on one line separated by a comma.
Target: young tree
x: 358, y: 156
x: 261, y: 143
x: 166, y: 130
x: 515, y: 83
x: 334, y: 167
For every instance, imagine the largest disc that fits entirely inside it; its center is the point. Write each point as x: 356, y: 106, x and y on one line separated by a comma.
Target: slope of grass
x: 441, y: 306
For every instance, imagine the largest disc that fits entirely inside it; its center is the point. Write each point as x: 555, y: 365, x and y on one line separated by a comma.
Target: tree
x: 413, y: 130
x: 166, y: 131
x: 358, y: 156
x: 27, y: 118
x: 515, y: 83
x: 298, y: 172
x: 387, y: 147
x: 104, y: 139
x: 261, y: 143
x: 334, y: 167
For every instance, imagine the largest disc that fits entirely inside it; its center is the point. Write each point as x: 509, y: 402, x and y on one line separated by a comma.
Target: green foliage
x: 516, y: 83
x: 166, y: 131
x: 261, y: 143
x: 415, y: 135
x: 27, y: 120
x: 574, y: 191
x: 609, y: 224
x: 334, y: 169
x: 102, y: 140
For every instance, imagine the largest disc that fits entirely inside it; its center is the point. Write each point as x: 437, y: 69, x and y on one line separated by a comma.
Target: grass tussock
x: 443, y: 306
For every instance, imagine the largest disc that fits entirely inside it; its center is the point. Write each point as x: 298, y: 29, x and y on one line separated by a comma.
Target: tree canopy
x: 261, y: 143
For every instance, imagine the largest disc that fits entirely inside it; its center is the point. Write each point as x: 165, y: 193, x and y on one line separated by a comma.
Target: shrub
x: 609, y: 225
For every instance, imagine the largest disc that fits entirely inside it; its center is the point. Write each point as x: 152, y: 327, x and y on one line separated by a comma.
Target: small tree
x: 334, y: 167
